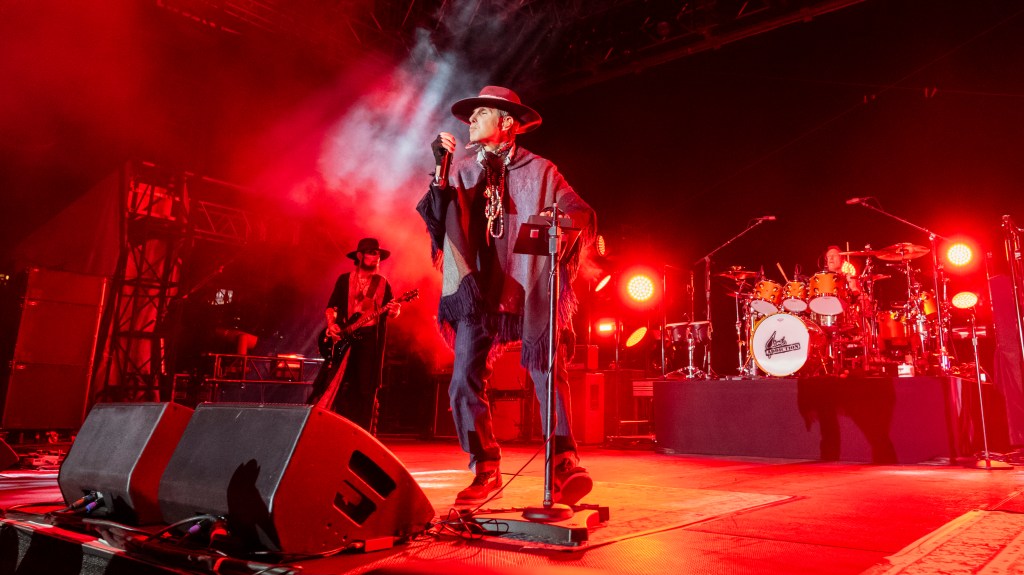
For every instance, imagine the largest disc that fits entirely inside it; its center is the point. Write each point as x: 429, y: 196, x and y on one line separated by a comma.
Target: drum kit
x: 829, y: 323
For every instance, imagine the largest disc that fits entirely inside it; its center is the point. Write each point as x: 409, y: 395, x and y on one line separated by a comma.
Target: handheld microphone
x: 446, y: 164
x: 766, y: 219
x: 852, y: 201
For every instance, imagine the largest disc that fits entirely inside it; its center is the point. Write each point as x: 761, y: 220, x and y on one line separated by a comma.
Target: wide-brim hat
x: 369, y: 244
x: 502, y: 99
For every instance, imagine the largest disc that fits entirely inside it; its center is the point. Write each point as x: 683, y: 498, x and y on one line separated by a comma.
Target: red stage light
x: 959, y: 254
x: 601, y: 246
x: 965, y: 300
x: 636, y: 337
x: 640, y: 288
x: 848, y: 268
x: 606, y: 326
x: 601, y: 284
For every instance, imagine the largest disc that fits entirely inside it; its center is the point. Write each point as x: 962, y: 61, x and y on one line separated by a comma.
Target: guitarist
x: 354, y: 378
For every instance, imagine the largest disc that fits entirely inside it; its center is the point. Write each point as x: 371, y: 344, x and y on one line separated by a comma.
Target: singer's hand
x: 443, y: 144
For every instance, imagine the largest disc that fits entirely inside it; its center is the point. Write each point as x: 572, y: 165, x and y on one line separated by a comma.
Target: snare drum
x: 783, y: 344
x: 828, y: 293
x: 794, y: 297
x: 767, y: 296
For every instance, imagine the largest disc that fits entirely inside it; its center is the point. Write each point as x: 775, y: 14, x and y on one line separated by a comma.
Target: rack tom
x: 767, y: 297
x: 828, y: 293
x: 794, y: 297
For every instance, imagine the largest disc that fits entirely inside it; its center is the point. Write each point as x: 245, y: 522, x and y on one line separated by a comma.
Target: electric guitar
x: 333, y: 346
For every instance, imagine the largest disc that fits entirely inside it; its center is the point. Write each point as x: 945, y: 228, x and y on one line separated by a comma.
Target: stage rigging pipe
x: 1011, y: 242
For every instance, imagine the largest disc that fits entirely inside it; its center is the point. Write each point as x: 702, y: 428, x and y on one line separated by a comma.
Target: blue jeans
x: 472, y: 410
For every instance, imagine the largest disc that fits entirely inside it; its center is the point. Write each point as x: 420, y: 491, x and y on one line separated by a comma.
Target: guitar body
x: 332, y: 348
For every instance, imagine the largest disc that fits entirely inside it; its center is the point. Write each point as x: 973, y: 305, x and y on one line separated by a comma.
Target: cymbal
x: 739, y: 294
x: 902, y: 251
x: 876, y: 277
x: 736, y: 273
x: 860, y: 253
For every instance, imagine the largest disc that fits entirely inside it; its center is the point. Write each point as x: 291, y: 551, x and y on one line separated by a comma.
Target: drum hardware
x: 861, y: 253
x: 901, y: 252
x: 874, y: 277
x: 736, y: 273
x: 692, y: 333
x: 904, y: 251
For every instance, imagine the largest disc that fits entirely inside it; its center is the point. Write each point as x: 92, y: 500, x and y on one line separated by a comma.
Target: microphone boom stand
x: 707, y: 288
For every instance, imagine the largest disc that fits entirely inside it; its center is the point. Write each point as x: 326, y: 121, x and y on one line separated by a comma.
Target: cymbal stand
x: 707, y: 283
x: 869, y: 316
x: 941, y: 307
x: 944, y: 362
x: 691, y: 371
x: 741, y: 337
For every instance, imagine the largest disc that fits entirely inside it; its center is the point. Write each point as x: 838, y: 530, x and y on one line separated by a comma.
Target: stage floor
x: 685, y: 514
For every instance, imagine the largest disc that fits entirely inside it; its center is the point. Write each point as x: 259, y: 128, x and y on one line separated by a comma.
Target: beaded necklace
x: 494, y: 191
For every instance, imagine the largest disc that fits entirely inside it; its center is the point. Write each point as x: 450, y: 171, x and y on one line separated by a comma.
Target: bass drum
x: 783, y: 344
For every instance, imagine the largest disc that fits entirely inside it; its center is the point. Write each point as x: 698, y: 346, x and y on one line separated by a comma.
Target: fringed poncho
x: 481, y: 276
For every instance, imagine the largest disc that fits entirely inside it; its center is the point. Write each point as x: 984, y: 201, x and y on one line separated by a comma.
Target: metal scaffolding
x: 154, y: 237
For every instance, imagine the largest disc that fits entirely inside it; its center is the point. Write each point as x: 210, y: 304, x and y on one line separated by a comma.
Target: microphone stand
x: 550, y: 511
x: 707, y: 288
x: 940, y: 287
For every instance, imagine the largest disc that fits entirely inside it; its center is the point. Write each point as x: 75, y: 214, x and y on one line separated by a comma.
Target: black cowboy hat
x: 502, y: 99
x: 367, y: 245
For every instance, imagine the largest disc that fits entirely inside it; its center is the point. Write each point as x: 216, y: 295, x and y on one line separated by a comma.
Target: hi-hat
x: 876, y: 277
x: 902, y: 251
x: 736, y: 273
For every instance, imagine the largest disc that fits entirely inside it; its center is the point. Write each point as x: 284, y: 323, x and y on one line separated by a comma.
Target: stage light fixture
x: 848, y: 268
x: 636, y: 337
x: 965, y: 300
x: 959, y: 254
x: 601, y: 246
x: 604, y: 282
x: 606, y: 327
x: 640, y: 287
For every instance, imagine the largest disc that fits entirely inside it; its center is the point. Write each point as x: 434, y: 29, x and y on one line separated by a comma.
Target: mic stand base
x: 990, y: 464
x: 548, y: 514
x: 688, y: 372
x: 571, y: 532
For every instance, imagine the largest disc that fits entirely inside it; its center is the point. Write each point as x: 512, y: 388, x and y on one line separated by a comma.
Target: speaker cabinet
x: 121, y: 451
x: 290, y: 478
x: 47, y: 385
x: 587, y: 391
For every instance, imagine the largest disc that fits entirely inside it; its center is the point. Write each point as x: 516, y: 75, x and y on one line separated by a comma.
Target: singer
x: 491, y: 296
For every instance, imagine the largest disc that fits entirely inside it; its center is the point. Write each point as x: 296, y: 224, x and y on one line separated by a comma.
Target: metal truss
x: 154, y: 223
x: 563, y: 44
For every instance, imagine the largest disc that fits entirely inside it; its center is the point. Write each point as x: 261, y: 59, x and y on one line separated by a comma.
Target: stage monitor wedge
x: 290, y: 478
x: 121, y: 451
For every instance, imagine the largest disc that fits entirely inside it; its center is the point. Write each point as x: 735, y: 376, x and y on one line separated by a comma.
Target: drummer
x: 836, y: 263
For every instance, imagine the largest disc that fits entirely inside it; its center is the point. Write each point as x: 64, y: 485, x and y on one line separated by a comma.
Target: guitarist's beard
x: 368, y: 268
